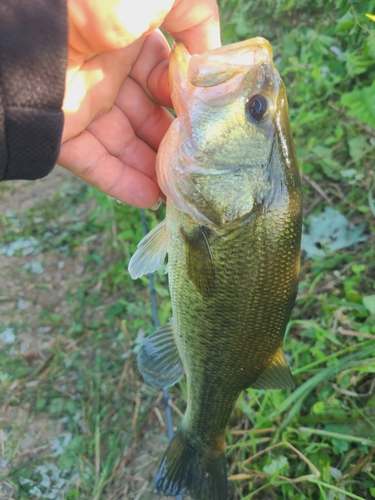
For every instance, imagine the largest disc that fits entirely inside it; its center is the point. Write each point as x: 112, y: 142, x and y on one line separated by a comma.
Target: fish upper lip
x: 214, y: 66
x: 242, y: 49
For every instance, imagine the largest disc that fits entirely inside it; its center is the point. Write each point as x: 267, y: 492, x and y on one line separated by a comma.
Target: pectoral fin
x: 150, y: 254
x: 199, y: 261
x: 158, y: 359
x: 277, y: 375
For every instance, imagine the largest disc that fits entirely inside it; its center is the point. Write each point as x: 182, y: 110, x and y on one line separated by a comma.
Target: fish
x: 232, y: 232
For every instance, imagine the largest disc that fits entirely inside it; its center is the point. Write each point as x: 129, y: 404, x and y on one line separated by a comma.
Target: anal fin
x: 158, y: 359
x: 151, y: 251
x: 277, y: 374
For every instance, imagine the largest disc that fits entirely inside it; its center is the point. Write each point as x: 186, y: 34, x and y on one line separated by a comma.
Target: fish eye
x: 258, y: 107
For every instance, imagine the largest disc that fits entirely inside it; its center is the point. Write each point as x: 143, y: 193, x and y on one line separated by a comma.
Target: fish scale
x: 220, y: 356
x: 232, y: 233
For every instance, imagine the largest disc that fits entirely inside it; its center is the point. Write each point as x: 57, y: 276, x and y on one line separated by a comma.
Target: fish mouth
x: 214, y: 67
x: 246, y: 53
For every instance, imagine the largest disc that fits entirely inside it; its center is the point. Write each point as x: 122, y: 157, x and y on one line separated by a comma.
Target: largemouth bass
x: 232, y: 233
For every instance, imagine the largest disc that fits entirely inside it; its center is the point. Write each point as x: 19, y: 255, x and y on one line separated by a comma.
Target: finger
x: 114, y: 131
x: 86, y: 157
x: 101, y: 26
x: 158, y: 84
x: 149, y: 120
x: 150, y: 70
x: 92, y: 88
x: 195, y: 23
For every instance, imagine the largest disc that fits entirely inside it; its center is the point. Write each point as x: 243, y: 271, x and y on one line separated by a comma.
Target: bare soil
x: 24, y: 297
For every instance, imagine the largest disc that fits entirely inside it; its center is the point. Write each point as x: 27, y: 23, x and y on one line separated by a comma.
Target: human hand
x: 117, y: 85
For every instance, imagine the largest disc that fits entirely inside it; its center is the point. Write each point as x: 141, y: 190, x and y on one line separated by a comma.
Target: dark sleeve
x: 33, y: 58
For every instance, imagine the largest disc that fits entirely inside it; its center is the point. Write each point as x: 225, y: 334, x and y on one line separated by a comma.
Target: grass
x: 67, y: 419
x: 77, y: 422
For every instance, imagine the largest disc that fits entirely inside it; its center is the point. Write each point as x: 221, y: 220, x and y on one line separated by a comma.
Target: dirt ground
x: 24, y: 296
x: 59, y: 275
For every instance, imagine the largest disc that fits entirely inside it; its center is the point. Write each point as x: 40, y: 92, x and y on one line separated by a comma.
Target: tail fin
x: 185, y: 469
